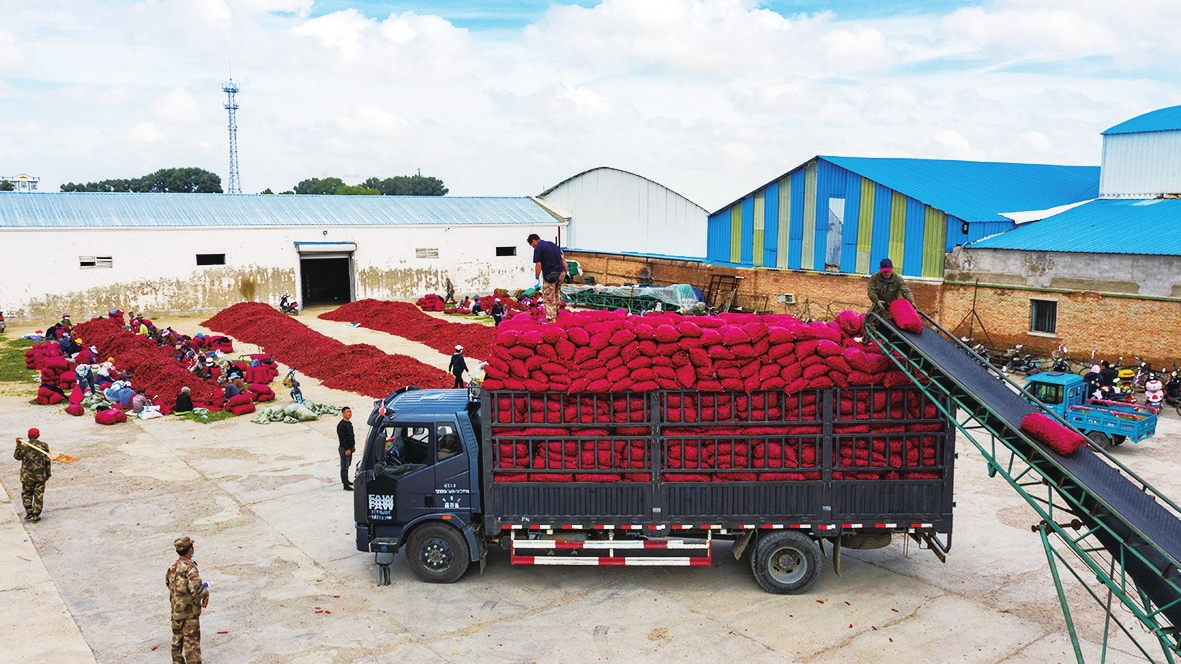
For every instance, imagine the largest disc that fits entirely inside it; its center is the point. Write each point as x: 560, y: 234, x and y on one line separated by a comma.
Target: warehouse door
x: 325, y: 279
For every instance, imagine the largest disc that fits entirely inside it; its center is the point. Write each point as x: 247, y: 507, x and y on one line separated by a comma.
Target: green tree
x: 266, y: 191
x: 408, y: 185
x: 319, y: 186
x: 190, y: 180
x: 5, y: 185
x: 356, y: 190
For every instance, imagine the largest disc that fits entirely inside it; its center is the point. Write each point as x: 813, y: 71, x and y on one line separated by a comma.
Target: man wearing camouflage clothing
x: 188, y: 595
x: 885, y: 287
x: 35, y: 470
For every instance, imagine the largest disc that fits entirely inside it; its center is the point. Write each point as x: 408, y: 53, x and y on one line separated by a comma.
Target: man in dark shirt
x: 549, y: 267
x: 457, y: 367
x: 344, y: 434
x: 497, y: 312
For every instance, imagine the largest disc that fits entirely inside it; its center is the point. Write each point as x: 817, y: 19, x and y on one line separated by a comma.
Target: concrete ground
x: 274, y: 539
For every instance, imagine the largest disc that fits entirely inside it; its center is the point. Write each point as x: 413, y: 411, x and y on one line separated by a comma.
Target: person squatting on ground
x: 348, y: 444
x: 549, y: 267
x: 188, y: 595
x: 885, y: 287
x: 457, y: 367
x: 35, y: 471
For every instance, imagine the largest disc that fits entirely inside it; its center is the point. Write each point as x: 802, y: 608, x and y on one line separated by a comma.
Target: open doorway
x: 327, y: 280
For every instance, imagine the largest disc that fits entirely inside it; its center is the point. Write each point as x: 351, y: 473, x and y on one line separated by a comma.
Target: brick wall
x: 1086, y: 320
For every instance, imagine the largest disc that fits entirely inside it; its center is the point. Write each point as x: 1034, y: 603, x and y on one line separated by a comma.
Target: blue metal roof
x: 978, y: 190
x: 1104, y: 226
x: 124, y: 210
x: 1162, y: 119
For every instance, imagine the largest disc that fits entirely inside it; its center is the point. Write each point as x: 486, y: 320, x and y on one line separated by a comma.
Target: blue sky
x: 710, y: 97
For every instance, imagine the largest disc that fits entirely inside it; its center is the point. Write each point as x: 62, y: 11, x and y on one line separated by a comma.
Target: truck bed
x: 822, y: 459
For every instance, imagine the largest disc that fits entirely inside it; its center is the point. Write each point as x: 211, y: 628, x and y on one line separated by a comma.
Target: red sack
x: 75, y: 409
x: 1057, y: 437
x: 905, y: 316
x: 243, y: 408
x: 239, y: 400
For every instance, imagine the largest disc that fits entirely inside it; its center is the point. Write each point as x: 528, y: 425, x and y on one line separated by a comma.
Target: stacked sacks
x: 262, y: 369
x: 431, y: 302
x: 601, y: 352
x: 240, y: 404
x: 261, y: 392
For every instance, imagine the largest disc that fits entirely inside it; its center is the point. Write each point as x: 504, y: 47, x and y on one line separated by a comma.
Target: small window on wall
x: 426, y: 253
x: 211, y: 259
x: 1043, y: 316
x: 506, y: 251
x: 95, y: 261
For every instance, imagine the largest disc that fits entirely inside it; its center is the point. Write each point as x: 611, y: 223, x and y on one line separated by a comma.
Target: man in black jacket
x: 348, y: 443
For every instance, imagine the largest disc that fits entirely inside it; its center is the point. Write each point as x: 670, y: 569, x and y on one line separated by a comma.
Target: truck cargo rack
x: 1116, y: 534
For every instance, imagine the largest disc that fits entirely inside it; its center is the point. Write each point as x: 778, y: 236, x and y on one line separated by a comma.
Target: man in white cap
x: 457, y: 367
x: 497, y: 312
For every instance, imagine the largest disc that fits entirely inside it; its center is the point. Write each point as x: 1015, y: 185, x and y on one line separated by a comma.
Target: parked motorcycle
x: 1140, y: 377
x: 290, y: 381
x: 1154, y: 393
x: 978, y: 348
x: 1061, y: 363
x: 1173, y: 388
x: 288, y: 305
x: 1018, y: 362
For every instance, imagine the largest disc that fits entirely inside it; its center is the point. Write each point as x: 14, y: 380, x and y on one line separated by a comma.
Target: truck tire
x: 1100, y: 439
x: 786, y: 562
x: 437, y: 553
x: 1118, y: 440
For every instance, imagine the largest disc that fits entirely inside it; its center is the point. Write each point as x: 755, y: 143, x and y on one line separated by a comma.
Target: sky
x: 711, y: 98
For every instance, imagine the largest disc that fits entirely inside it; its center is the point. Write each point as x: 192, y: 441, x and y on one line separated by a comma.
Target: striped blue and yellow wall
x: 825, y: 218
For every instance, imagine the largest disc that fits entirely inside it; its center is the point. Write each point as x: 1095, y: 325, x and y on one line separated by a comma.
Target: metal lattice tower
x: 235, y: 181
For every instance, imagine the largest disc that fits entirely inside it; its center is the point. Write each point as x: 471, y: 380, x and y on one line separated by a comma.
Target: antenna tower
x: 235, y: 181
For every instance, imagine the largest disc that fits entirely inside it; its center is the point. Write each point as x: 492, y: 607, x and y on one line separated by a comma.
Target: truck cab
x: 1105, y: 423
x: 418, y: 484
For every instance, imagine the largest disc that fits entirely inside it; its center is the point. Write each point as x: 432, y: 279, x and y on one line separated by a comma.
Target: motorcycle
x: 1018, y: 362
x: 978, y: 348
x: 292, y: 382
x: 1154, y: 393
x: 288, y: 305
x: 1140, y: 377
x: 1061, y: 363
x: 1173, y: 389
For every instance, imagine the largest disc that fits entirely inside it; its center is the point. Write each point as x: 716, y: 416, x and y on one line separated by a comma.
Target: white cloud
x: 369, y: 120
x: 712, y: 97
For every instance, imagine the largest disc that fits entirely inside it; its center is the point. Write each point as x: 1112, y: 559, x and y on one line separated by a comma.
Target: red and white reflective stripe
x: 772, y: 526
x: 600, y: 526
x: 561, y: 545
x: 616, y: 561
x: 922, y: 525
x: 852, y: 525
x: 885, y: 525
x: 824, y: 527
x: 631, y: 527
x: 799, y: 526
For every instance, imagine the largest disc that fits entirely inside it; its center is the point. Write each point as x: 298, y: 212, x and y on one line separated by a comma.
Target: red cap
x: 34, y: 433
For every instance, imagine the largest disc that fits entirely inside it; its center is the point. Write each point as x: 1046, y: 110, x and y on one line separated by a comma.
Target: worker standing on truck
x: 348, y: 444
x: 457, y: 367
x: 549, y: 267
x: 188, y: 594
x: 35, y: 471
x: 884, y: 288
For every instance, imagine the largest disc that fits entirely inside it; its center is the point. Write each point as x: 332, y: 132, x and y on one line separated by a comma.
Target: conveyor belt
x: 1127, y: 516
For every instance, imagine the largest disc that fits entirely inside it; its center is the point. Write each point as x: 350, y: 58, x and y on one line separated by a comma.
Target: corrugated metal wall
x: 823, y: 217
x: 1142, y: 165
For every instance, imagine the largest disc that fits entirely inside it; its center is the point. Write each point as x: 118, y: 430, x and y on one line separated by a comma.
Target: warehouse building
x: 1103, y: 275
x: 617, y: 212
x: 85, y: 253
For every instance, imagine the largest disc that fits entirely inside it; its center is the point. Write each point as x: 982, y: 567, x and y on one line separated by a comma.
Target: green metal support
x: 1049, y: 491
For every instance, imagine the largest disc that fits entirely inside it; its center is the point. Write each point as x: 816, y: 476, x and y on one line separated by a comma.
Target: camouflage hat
x: 182, y: 544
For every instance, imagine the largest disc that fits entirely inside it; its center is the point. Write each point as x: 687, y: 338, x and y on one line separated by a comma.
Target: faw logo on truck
x: 381, y: 508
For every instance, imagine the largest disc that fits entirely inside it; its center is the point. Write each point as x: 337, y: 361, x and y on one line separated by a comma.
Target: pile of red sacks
x: 506, y: 301
x: 431, y: 302
x: 600, y: 352
x: 359, y: 368
x: 403, y: 320
x: 153, y: 367
x: 716, y: 437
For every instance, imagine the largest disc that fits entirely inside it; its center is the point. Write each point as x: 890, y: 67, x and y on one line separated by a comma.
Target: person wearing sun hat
x: 457, y: 367
x: 35, y: 471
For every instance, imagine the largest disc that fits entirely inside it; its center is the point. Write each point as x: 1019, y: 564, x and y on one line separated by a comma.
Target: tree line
x: 201, y: 181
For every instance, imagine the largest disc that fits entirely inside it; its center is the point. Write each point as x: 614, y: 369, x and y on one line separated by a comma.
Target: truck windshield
x: 1045, y: 392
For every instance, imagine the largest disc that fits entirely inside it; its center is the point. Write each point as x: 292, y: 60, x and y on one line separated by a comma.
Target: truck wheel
x: 786, y: 562
x: 1118, y: 440
x: 437, y: 553
x: 1100, y: 439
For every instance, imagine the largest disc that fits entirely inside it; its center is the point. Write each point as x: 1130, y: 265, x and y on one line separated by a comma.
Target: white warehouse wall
x: 154, y: 269
x: 614, y: 211
x: 1141, y: 165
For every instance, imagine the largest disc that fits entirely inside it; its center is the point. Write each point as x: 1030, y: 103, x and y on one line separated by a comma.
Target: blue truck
x: 1105, y: 423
